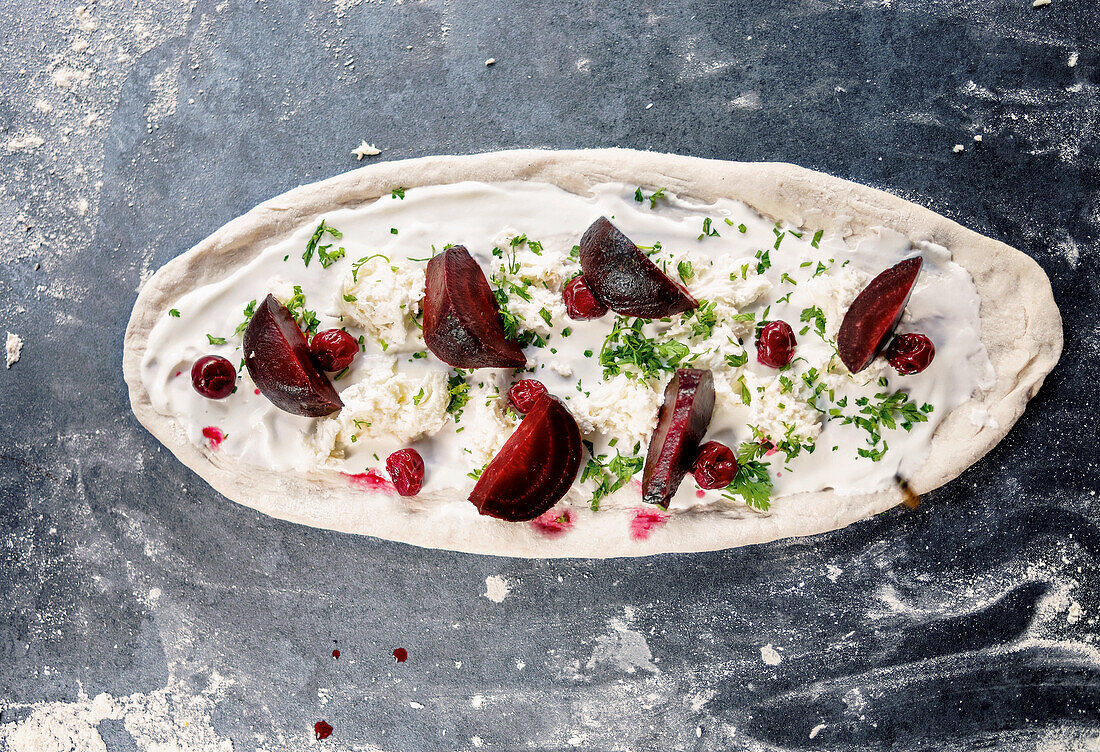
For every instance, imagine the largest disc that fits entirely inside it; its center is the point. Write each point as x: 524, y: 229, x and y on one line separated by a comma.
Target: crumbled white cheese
x: 958, y: 148
x: 366, y: 150
x: 540, y: 275
x: 529, y: 312
x: 778, y: 414
x: 605, y: 409
x: 385, y: 297
x: 13, y: 347
x: 1040, y: 3
x: 1072, y: 62
x: 384, y: 403
x: 978, y: 138
x: 547, y: 267
x: 833, y: 292
x: 491, y: 423
x: 490, y: 61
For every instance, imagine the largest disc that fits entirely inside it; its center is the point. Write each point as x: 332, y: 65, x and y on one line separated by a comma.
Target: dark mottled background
x: 969, y: 624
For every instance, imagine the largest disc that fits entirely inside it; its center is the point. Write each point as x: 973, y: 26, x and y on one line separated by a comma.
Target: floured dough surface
x: 1020, y: 331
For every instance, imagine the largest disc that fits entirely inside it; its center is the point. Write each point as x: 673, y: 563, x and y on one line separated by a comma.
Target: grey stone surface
x: 953, y: 627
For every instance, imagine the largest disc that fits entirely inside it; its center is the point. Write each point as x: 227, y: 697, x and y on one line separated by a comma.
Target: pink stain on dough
x: 553, y: 523
x: 645, y: 522
x: 372, y: 480
x: 214, y: 437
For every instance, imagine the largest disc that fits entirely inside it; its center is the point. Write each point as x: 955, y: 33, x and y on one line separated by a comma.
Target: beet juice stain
x: 322, y: 730
x: 400, y: 655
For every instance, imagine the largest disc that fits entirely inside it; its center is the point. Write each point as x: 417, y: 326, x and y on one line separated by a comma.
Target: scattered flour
x: 25, y: 143
x: 12, y: 348
x: 496, y: 588
x: 770, y: 655
x: 67, y: 78
x: 167, y: 719
x: 623, y: 649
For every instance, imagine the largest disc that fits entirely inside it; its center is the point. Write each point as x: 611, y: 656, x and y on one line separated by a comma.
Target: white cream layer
x: 944, y: 306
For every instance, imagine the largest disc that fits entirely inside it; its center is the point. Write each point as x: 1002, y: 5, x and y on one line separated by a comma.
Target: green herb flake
x: 174, y: 313
x: 326, y: 257
x: 708, y: 229
x: 215, y: 340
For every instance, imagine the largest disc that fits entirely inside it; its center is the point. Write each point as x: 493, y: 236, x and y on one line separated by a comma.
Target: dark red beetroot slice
x: 461, y: 319
x: 623, y: 279
x: 685, y: 416
x: 534, y: 468
x: 874, y: 314
x: 277, y: 357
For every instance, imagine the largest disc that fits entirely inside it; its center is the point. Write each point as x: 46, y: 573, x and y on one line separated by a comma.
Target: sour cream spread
x: 820, y: 426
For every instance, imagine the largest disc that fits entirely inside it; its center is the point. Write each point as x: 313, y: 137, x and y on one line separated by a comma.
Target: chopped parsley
x: 816, y: 316
x: 215, y: 340
x: 393, y: 231
x: 609, y: 476
x: 708, y: 229
x: 458, y: 392
x: 736, y: 361
x: 398, y: 192
x: 628, y: 347
x: 885, y: 411
x: 306, y: 319
x: 702, y: 320
x: 326, y: 257
x: 752, y: 484
x: 248, y: 311
x: 418, y: 397
x: 764, y: 261
x: 651, y: 198
x: 174, y: 313
x: 359, y: 265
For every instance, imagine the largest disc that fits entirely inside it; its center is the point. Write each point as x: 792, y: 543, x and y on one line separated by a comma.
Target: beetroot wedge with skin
x: 683, y: 421
x: 874, y: 314
x: 462, y: 325
x: 277, y: 356
x: 534, y: 468
x: 622, y: 278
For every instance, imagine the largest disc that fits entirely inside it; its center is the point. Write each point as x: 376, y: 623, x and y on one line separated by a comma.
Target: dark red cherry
x: 213, y: 377
x: 523, y: 394
x: 406, y: 468
x: 580, y: 303
x: 334, y: 349
x: 775, y: 345
x: 716, y: 465
x: 910, y: 353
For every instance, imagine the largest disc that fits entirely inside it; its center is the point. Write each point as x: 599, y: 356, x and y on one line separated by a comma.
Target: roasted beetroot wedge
x: 278, y: 360
x: 623, y: 279
x: 534, y: 468
x: 685, y: 416
x: 462, y: 324
x: 874, y: 314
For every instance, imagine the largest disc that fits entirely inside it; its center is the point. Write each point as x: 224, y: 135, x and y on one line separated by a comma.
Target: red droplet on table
x: 335, y: 653
x: 322, y: 730
x: 400, y: 655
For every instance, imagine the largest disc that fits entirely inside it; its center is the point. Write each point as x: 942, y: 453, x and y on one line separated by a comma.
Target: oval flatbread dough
x: 1021, y: 330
